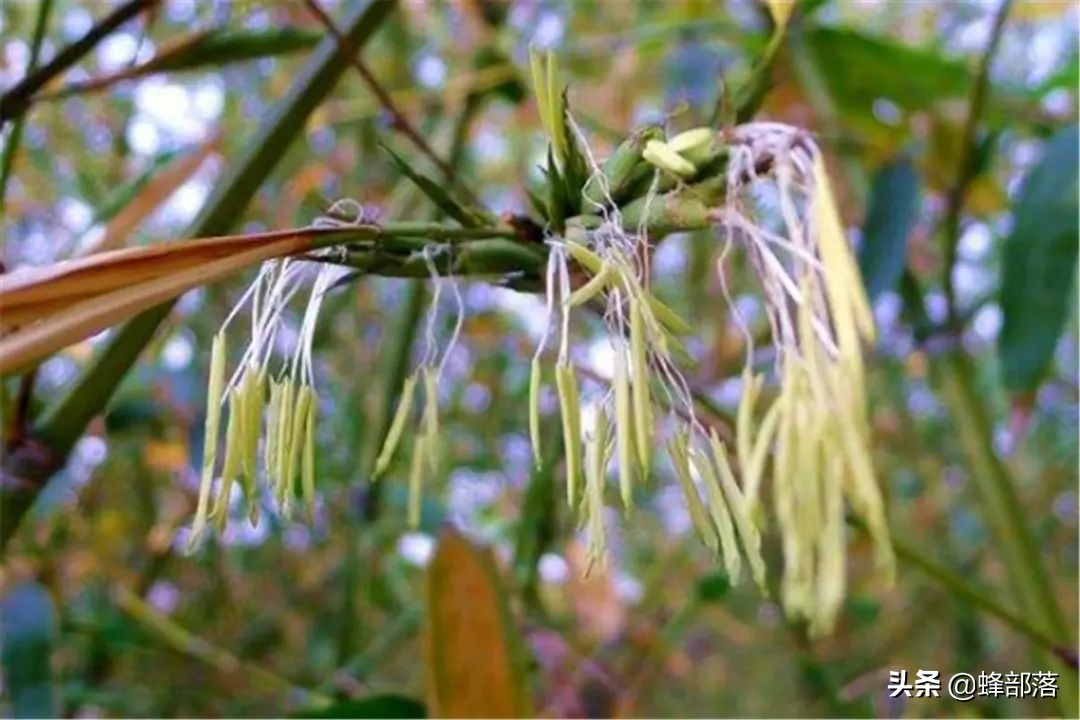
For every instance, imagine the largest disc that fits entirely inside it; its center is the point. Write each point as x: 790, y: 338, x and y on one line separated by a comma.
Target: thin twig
x: 181, y: 640
x: 20, y: 419
x: 400, y: 123
x: 11, y: 147
x: 15, y: 101
x: 983, y: 599
x: 389, y: 639
x: 954, y: 199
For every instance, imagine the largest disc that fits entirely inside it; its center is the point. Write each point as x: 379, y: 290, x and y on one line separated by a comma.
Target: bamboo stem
x: 182, y: 641
x: 1003, y: 511
x: 983, y: 599
x: 967, y: 169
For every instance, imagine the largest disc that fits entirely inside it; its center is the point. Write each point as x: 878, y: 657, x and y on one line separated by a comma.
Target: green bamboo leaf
x: 892, y: 212
x: 914, y: 78
x: 537, y: 203
x: 575, y: 169
x: 557, y: 203
x: 435, y: 191
x: 222, y: 46
x: 1039, y: 264
x: 29, y: 625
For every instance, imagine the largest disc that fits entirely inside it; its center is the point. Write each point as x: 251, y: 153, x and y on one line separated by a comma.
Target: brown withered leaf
x: 473, y: 661
x: 68, y: 302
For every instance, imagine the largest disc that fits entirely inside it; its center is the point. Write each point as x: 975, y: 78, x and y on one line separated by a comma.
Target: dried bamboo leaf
x: 163, y: 184
x: 31, y: 294
x: 93, y: 315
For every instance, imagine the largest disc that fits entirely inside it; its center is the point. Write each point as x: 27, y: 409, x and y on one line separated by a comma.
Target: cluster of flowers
x: 811, y: 439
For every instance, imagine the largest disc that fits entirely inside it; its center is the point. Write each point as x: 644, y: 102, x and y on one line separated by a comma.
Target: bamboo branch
x: 11, y: 147
x: 15, y: 101
x: 984, y: 600
x: 954, y: 199
x: 1002, y: 509
x: 182, y: 641
x: 400, y: 122
x: 27, y: 468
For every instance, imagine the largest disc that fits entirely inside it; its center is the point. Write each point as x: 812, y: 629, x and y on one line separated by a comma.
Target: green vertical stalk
x: 52, y: 438
x: 537, y: 528
x: 391, y: 375
x: 1004, y: 514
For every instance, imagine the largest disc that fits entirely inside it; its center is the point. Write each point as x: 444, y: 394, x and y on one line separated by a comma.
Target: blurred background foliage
x: 102, y: 613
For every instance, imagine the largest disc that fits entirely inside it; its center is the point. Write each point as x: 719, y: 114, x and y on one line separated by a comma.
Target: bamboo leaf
x: 575, y: 170
x: 435, y: 192
x: 915, y: 78
x: 94, y: 314
x: 199, y: 50
x: 537, y: 203
x: 1040, y: 263
x: 30, y: 294
x: 473, y: 664
x: 151, y: 195
x: 29, y: 622
x: 221, y: 46
x: 892, y: 212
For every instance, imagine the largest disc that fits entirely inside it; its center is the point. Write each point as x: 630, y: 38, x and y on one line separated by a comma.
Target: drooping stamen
x: 210, y: 435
